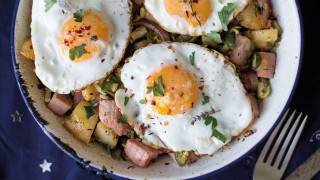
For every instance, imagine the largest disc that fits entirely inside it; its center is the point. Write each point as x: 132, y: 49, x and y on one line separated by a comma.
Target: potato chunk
x: 90, y: 92
x: 27, y: 49
x: 264, y: 39
x: 78, y: 124
x: 105, y: 135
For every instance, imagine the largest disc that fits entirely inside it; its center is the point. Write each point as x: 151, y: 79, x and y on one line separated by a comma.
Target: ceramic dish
x: 94, y: 156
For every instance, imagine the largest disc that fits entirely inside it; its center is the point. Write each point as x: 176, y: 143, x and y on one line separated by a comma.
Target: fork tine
x: 268, y: 144
x: 286, y: 142
x: 292, y: 146
x: 279, y: 139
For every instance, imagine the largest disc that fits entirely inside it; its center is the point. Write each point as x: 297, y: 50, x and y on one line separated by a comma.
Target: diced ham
x: 265, y: 8
x: 109, y: 115
x: 242, y: 50
x: 266, y: 69
x: 77, y: 97
x: 250, y: 80
x: 254, y: 105
x: 139, y: 153
x: 60, y: 104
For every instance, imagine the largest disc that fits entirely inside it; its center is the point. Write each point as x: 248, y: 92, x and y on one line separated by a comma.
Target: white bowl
x: 94, y: 156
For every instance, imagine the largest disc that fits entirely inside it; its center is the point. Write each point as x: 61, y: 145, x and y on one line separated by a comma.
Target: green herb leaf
x: 209, y: 119
x: 77, y: 51
x: 93, y: 38
x: 206, y: 99
x: 215, y: 37
x: 126, y: 100
x: 256, y: 61
x: 93, y: 104
x: 191, y: 58
x: 158, y: 89
x: 78, y: 15
x: 132, y: 134
x: 123, y: 119
x: 48, y: 4
x: 142, y: 101
x: 229, y: 39
x: 89, y: 111
x: 106, y: 85
x: 149, y: 90
x: 218, y: 135
x: 225, y: 13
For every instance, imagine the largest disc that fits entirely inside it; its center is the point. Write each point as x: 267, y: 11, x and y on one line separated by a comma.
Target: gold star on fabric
x: 45, y: 166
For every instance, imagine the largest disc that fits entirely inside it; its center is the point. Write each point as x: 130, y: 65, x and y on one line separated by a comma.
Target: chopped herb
x: 229, y: 39
x: 89, y: 111
x: 123, y: 119
x: 158, y: 89
x: 255, y: 61
x: 142, y: 101
x: 93, y: 104
x: 220, y: 1
x: 206, y: 99
x: 225, y: 13
x: 78, y: 15
x: 218, y: 135
x: 126, y: 100
x: 77, y: 51
x: 149, y: 90
x: 131, y: 134
x: 93, y: 38
x: 106, y: 85
x: 191, y: 58
x: 209, y: 119
x: 215, y: 37
x: 48, y: 4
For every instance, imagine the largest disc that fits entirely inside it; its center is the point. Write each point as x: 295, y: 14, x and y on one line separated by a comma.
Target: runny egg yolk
x: 74, y: 34
x: 180, y: 91
x: 196, y: 12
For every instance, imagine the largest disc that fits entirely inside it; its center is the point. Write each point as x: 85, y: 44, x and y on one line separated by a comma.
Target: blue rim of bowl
x: 104, y: 173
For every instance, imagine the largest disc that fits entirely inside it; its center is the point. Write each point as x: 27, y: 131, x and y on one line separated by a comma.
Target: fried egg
x: 192, y: 17
x: 78, y: 42
x: 173, y: 88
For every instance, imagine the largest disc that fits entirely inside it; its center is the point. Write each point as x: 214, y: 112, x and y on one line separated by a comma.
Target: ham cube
x: 139, y: 153
x: 250, y: 80
x: 266, y: 69
x: 242, y: 50
x: 60, y: 104
x: 109, y: 115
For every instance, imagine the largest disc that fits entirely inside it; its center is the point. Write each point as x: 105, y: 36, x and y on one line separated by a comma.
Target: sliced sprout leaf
x: 218, y: 135
x: 78, y: 15
x: 126, y: 100
x: 191, y: 58
x: 264, y: 88
x: 206, y: 99
x: 89, y: 111
x: 225, y: 13
x: 123, y: 119
x: 142, y: 101
x: 149, y: 90
x: 93, y: 104
x: 216, y: 37
x: 255, y: 61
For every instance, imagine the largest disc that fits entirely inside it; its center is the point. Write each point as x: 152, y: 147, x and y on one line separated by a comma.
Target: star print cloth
x: 24, y: 147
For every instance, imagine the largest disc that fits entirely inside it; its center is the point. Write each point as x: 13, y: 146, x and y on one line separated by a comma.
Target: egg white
x: 221, y: 84
x: 55, y: 70
x: 176, y: 24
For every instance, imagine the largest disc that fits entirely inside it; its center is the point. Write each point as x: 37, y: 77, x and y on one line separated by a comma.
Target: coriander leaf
x: 126, y: 100
x: 208, y: 120
x: 93, y: 38
x: 206, y: 99
x: 225, y: 13
x: 218, y: 135
x: 78, y: 15
x: 89, y: 111
x: 48, y: 4
x: 123, y: 119
x: 215, y: 37
x: 142, y: 101
x: 149, y: 90
x: 158, y: 89
x: 191, y: 58
x: 77, y: 51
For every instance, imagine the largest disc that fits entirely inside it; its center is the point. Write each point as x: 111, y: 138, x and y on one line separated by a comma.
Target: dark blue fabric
x: 23, y: 145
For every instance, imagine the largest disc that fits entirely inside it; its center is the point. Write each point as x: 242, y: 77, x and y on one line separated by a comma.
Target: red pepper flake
x: 176, y: 67
x: 78, y: 31
x: 88, y: 34
x: 169, y: 112
x: 172, y: 88
x: 31, y: 47
x: 69, y: 32
x: 125, y: 90
x: 102, y: 60
x: 82, y: 28
x: 192, y: 104
x: 187, y: 13
x: 170, y: 48
x: 201, y: 88
x: 66, y: 42
x: 131, y: 95
x: 153, y: 103
x: 148, y: 77
x: 132, y: 77
x: 88, y: 27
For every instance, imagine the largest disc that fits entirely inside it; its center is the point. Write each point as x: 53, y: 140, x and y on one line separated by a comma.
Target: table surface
x: 24, y: 147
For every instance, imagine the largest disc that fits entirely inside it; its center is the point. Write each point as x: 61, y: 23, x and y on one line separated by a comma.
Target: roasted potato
x: 27, y: 49
x: 90, y: 92
x: 79, y: 124
x: 264, y: 39
x: 105, y: 135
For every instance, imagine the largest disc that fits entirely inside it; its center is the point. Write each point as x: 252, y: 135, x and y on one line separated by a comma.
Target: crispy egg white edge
x: 201, y: 137
x: 153, y: 9
x: 76, y: 75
